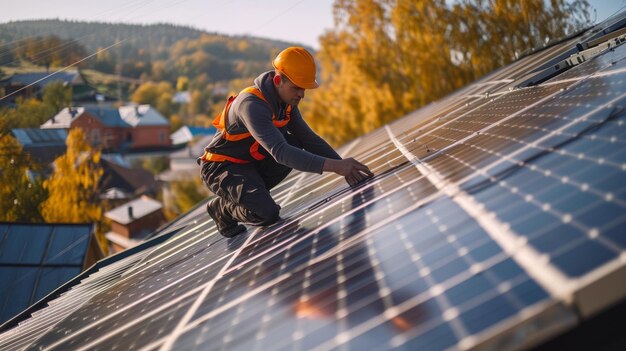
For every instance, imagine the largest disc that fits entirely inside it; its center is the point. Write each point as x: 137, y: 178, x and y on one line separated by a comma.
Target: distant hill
x: 158, y: 52
x: 98, y: 34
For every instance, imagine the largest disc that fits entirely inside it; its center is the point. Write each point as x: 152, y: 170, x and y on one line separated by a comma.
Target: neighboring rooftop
x: 186, y: 134
x: 44, y: 78
x: 36, y: 259
x: 134, y: 181
x: 142, y: 115
x: 124, y: 117
x: 140, y: 208
x: 39, y: 137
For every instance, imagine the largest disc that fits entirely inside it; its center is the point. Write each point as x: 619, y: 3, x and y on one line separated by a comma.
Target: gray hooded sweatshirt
x: 250, y: 114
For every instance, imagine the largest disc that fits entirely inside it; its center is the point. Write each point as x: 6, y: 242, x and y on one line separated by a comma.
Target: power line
x: 62, y: 69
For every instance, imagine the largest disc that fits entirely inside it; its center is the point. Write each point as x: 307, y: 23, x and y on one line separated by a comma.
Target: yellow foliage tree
x: 386, y: 58
x: 20, y: 194
x: 187, y: 193
x: 73, y: 187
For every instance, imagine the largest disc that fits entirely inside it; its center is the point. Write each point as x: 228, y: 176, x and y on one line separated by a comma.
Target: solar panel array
x: 496, y: 220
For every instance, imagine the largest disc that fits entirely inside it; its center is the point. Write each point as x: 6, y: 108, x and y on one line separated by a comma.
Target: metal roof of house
x: 39, y: 137
x: 186, y: 134
x: 45, y: 78
x: 125, y: 116
x: 35, y: 259
x: 109, y: 116
x: 142, y: 115
x: 43, y: 145
x: 135, y: 181
x: 496, y: 220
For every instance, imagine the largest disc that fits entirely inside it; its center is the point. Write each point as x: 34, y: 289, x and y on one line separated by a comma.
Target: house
x: 183, y: 166
x: 185, y: 134
x: 42, y: 145
x: 120, y: 182
x: 36, y: 259
x: 182, y: 97
x: 32, y: 84
x: 133, y: 221
x: 124, y: 128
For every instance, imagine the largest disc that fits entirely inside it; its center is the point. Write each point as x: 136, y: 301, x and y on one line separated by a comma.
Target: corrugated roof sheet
x: 35, y: 259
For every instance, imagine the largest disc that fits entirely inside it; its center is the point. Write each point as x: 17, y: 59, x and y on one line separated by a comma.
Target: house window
x: 95, y: 136
x: 162, y: 137
x: 108, y: 137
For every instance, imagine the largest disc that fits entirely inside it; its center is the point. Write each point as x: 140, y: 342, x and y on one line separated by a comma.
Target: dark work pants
x: 243, y: 189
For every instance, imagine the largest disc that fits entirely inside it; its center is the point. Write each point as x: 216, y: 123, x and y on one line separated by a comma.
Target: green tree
x: 73, y: 187
x: 57, y: 96
x: 20, y: 193
x: 29, y: 113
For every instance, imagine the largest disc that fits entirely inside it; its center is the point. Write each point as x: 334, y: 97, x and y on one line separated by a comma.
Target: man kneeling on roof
x: 261, y: 137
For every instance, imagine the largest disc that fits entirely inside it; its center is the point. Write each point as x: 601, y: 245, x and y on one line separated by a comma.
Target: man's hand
x: 354, y: 171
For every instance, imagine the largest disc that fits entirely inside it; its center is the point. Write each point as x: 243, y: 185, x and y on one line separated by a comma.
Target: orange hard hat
x: 298, y: 65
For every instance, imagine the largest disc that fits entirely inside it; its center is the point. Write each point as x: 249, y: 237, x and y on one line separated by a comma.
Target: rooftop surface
x: 496, y: 220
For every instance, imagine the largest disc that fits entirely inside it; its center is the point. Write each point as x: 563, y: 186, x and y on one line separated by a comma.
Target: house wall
x: 150, y: 222
x: 98, y: 134
x: 120, y: 229
x: 151, y: 136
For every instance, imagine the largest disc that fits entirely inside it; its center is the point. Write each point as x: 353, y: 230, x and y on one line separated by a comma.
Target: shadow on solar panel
x: 496, y: 220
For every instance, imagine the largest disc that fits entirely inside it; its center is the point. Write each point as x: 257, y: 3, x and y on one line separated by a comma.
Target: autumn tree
x: 57, y: 96
x: 187, y: 193
x: 21, y: 192
x: 158, y: 95
x: 73, y: 187
x: 386, y: 58
x: 29, y: 113
x: 50, y: 51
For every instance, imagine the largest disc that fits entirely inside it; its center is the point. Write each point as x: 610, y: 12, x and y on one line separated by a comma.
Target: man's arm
x: 271, y: 139
x: 354, y: 171
x: 257, y: 117
x: 310, y: 140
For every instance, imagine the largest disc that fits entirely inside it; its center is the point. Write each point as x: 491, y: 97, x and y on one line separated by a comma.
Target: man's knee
x: 267, y: 214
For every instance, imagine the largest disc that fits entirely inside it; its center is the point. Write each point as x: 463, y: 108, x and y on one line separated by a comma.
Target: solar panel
x: 495, y: 220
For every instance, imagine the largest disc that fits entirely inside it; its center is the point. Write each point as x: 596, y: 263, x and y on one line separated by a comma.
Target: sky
x: 299, y: 21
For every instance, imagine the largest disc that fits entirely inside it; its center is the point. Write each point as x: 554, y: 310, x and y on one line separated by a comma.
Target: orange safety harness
x: 220, y: 124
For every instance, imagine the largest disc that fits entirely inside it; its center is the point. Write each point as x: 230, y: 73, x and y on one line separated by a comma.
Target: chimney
x: 130, y: 212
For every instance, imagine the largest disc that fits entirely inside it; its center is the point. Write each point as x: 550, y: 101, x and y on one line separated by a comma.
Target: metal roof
x: 39, y: 137
x: 35, y: 259
x: 142, y: 115
x: 45, y: 78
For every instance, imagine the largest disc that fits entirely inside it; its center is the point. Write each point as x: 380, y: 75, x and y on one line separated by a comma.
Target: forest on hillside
x: 158, y: 52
